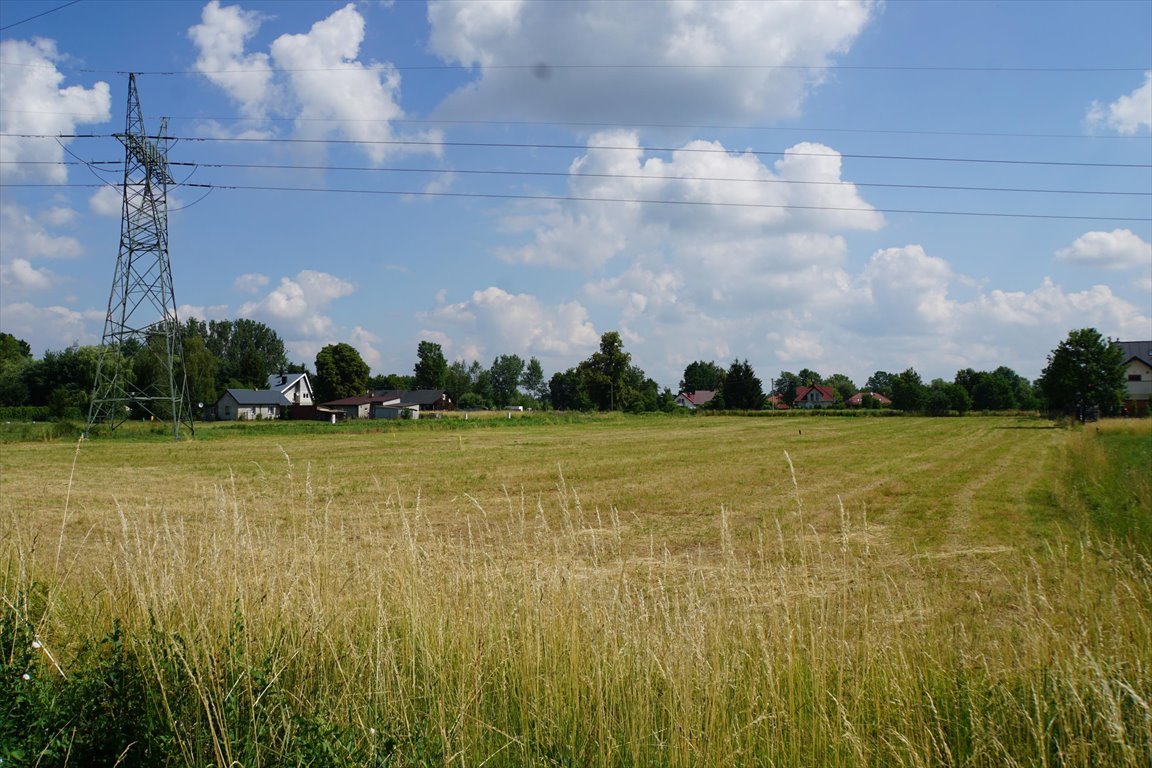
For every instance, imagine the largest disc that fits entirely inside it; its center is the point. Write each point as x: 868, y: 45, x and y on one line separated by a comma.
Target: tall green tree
x: 742, y: 389
x: 506, y: 371
x: 786, y: 385
x: 567, y: 391
x: 62, y: 380
x: 533, y: 381
x: 604, y: 373
x: 431, y: 366
x: 1085, y: 371
x: 809, y: 377
x: 700, y: 375
x: 15, y: 356
x: 943, y: 397
x: 881, y: 383
x: 200, y: 370
x: 607, y: 380
x: 457, y: 382
x: 340, y: 372
x: 391, y: 381
x: 481, y: 379
x: 843, y: 385
x: 13, y: 349
x: 247, y: 351
x: 908, y: 391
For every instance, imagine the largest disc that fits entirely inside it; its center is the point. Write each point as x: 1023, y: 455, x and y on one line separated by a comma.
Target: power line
x: 602, y: 147
x: 726, y: 179
x: 579, y: 198
x: 542, y: 67
x: 569, y: 174
x: 6, y: 27
x: 586, y: 124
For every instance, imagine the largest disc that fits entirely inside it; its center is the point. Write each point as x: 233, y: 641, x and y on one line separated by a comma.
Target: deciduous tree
x: 786, y: 385
x: 908, y: 391
x: 431, y: 366
x: 700, y: 375
x: 506, y: 371
x: 843, y: 385
x: 1085, y: 371
x: 340, y: 372
x: 809, y: 377
x: 533, y: 381
x: 880, y: 383
x: 246, y: 351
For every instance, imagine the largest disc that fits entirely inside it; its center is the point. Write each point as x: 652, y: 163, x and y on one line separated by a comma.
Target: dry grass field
x: 606, y: 592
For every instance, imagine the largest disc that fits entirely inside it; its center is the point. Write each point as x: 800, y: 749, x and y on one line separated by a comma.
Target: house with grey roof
x: 250, y: 405
x: 422, y: 399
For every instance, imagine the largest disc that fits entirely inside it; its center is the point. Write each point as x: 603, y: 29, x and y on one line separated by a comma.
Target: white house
x: 695, y: 399
x: 250, y: 404
x: 1138, y: 375
x: 294, y: 386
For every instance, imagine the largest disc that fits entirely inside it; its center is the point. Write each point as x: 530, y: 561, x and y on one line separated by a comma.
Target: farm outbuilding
x: 425, y: 399
x: 359, y: 407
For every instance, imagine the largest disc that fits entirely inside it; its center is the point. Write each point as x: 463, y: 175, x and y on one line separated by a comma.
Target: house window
x: 1133, y: 377
x: 227, y: 410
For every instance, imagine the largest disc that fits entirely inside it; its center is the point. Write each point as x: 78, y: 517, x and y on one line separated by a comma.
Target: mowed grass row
x: 621, y: 592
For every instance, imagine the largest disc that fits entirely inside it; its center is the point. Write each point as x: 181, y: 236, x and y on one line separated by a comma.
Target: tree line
x: 1084, y: 372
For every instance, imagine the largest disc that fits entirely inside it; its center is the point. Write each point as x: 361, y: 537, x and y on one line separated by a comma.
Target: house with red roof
x: 697, y: 399
x: 815, y: 396
x: 857, y: 399
x: 775, y: 402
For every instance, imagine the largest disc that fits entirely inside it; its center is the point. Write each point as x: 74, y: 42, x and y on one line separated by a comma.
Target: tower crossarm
x: 148, y: 154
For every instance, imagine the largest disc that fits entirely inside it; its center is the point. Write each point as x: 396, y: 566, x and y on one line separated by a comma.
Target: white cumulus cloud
x: 250, y: 282
x: 1128, y: 114
x: 367, y: 344
x: 902, y: 308
x: 703, y: 196
x: 33, y: 100
x: 315, y: 77
x: 1118, y: 249
x: 19, y: 273
x: 52, y: 327
x: 220, y: 38
x: 26, y: 239
x: 300, y: 303
x: 725, y: 60
x: 494, y: 322
x: 107, y: 201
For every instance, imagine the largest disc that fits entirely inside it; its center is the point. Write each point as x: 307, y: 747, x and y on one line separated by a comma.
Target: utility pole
x: 140, y: 372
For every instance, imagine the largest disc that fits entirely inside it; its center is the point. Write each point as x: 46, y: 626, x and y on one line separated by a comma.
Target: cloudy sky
x: 845, y: 186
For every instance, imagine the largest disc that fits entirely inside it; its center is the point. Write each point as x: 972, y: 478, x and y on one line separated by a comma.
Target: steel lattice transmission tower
x: 141, y: 366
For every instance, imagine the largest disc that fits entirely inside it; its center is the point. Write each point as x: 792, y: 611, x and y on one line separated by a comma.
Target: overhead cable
x: 598, y: 147
x: 578, y: 198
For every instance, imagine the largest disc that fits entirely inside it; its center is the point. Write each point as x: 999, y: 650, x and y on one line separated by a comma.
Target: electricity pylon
x: 140, y: 372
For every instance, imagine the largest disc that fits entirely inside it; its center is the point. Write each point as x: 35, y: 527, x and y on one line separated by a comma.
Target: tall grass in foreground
x: 1109, y: 481
x: 264, y: 631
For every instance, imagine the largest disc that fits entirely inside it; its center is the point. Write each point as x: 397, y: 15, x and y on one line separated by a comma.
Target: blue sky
x: 715, y: 180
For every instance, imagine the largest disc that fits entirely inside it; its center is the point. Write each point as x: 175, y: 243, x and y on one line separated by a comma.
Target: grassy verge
x: 1109, y: 481
x: 861, y: 593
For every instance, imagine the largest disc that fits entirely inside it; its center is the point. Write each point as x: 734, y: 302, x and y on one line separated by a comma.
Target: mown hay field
x: 617, y: 591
